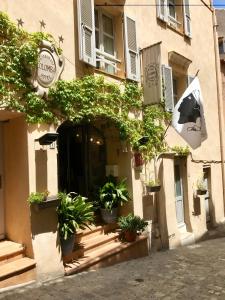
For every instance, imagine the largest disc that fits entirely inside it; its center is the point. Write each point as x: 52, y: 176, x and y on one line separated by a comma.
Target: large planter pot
x: 109, y: 216
x: 130, y: 236
x: 153, y: 189
x: 67, y: 245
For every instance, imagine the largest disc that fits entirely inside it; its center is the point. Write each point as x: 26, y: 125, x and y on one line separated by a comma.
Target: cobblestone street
x: 193, y: 272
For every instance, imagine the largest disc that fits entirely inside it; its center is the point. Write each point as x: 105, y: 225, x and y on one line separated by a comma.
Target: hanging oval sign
x: 46, y: 68
x: 49, y: 68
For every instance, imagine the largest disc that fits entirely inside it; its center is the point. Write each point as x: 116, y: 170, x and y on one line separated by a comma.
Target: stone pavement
x: 192, y: 272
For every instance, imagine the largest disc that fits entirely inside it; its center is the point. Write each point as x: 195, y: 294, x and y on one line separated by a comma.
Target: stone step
x: 15, y: 267
x: 93, y: 230
x: 10, y: 251
x: 109, y: 254
x: 88, y: 245
x: 187, y: 238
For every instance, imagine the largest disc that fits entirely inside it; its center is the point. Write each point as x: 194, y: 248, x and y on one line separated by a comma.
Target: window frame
x: 103, y: 58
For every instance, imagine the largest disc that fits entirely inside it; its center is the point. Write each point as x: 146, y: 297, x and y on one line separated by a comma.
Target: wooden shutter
x: 187, y: 19
x: 131, y: 50
x: 162, y: 10
x: 189, y: 79
x: 86, y: 30
x: 168, y: 87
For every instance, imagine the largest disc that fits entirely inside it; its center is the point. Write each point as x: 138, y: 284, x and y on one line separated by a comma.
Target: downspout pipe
x: 219, y: 101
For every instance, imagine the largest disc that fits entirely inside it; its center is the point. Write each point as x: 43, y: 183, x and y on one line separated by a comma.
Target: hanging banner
x: 188, y: 116
x: 151, y: 61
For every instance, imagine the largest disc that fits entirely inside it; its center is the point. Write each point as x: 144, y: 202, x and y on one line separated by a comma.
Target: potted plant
x: 37, y: 197
x: 181, y: 151
x: 111, y: 196
x: 153, y: 186
x: 130, y: 226
x: 201, y: 188
x: 41, y: 200
x: 74, y: 212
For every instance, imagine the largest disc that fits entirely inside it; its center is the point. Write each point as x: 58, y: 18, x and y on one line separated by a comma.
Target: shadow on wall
x: 161, y: 211
x: 41, y: 170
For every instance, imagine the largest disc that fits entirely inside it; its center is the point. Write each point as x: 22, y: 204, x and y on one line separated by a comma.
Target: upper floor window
x: 175, y: 13
x: 105, y: 42
x: 101, y: 42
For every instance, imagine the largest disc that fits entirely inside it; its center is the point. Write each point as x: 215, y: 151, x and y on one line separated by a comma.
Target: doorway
x: 2, y: 219
x: 81, y: 159
x: 179, y: 194
x: 207, y: 183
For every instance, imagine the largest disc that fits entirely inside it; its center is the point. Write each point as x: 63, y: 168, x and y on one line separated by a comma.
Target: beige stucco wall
x: 60, y: 18
x: 16, y: 173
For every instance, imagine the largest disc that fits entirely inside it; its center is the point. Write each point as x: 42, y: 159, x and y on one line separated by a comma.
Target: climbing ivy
x: 85, y: 99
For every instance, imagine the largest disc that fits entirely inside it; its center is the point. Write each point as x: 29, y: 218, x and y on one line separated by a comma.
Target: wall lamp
x: 47, y: 139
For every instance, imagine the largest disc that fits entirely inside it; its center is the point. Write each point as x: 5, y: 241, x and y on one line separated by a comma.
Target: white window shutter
x: 187, y: 19
x: 168, y: 87
x: 86, y: 30
x: 162, y: 10
x: 131, y: 50
x: 189, y: 79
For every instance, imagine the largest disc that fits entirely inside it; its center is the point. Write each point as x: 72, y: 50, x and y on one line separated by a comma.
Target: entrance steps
x: 15, y: 268
x: 100, y: 247
x: 187, y: 238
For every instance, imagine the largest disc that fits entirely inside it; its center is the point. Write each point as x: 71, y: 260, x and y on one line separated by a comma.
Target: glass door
x: 179, y: 199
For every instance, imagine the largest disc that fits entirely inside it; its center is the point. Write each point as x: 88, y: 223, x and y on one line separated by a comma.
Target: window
x: 174, y: 85
x: 176, y: 14
x: 221, y: 46
x: 105, y: 42
x: 172, y: 9
x: 175, y: 90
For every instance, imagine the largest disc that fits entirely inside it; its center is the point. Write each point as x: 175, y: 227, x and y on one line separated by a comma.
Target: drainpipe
x: 219, y: 101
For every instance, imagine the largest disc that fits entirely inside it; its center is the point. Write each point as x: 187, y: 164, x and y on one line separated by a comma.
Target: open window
x: 175, y: 13
x: 104, y: 42
x: 175, y: 79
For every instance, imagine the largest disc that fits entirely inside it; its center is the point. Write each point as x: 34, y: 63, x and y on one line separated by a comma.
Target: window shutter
x: 162, y: 10
x: 189, y: 79
x: 86, y: 30
x: 187, y: 19
x: 168, y: 87
x: 131, y: 50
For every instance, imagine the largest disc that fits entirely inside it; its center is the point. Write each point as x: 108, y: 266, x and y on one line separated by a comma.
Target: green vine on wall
x: 85, y: 99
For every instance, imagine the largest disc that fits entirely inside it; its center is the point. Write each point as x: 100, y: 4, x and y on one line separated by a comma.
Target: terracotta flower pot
x: 130, y: 236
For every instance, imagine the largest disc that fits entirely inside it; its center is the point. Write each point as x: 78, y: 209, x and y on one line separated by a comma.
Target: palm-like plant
x: 112, y: 195
x: 73, y: 213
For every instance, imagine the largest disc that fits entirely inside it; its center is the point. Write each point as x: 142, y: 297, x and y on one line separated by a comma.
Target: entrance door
x: 206, y: 172
x: 179, y: 199
x: 2, y: 221
x: 81, y: 159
